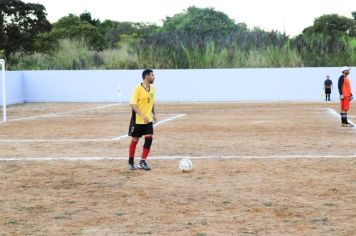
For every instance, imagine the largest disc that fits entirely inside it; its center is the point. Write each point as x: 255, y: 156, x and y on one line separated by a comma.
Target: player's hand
x: 154, y: 119
x: 145, y: 119
x: 351, y: 97
x: 341, y: 97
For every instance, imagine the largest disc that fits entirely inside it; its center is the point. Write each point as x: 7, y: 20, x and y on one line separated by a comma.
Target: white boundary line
x: 157, y: 124
x: 334, y: 113
x: 62, y: 113
x: 176, y: 116
x: 52, y: 140
x: 286, y: 157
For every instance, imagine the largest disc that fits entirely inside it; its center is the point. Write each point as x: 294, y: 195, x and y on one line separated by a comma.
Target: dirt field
x: 259, y: 169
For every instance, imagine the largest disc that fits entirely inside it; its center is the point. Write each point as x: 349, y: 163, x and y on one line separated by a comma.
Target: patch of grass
x: 200, y: 234
x: 71, y: 202
x: 120, y: 213
x: 268, y: 204
x: 12, y: 222
x: 322, y: 220
x: 225, y: 202
x: 146, y: 232
x: 62, y: 217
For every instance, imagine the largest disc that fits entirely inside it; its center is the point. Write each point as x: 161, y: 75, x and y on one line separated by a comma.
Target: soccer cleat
x: 132, y: 166
x: 347, y: 125
x: 144, y: 166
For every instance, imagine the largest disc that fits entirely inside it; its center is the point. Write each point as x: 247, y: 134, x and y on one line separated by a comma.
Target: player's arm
x: 341, y: 81
x: 154, y: 114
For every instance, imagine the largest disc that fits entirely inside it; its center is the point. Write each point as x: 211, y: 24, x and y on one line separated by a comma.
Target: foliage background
x: 194, y: 38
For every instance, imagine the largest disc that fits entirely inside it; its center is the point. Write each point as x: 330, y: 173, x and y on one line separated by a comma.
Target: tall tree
x: 86, y: 16
x: 200, y: 21
x: 72, y: 27
x: 334, y: 25
x: 19, y: 24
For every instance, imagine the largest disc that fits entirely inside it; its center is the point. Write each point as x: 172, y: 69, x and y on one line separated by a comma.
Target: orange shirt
x: 346, y: 87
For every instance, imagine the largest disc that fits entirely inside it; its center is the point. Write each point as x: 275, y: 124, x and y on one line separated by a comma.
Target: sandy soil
x: 288, y: 194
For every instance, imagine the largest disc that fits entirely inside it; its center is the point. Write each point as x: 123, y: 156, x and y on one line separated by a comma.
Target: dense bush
x: 195, y: 38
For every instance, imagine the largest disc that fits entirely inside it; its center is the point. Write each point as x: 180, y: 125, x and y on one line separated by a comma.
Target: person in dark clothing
x: 328, y: 86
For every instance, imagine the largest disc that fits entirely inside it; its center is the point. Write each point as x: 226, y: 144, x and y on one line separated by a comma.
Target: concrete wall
x: 14, y: 87
x: 284, y: 84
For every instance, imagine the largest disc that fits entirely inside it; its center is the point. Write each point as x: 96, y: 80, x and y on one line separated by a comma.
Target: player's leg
x: 148, y: 134
x: 327, y: 94
x: 132, y: 150
x: 345, y: 106
x: 135, y: 131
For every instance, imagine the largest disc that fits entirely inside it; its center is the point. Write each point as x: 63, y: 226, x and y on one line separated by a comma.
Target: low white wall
x: 261, y: 84
x: 14, y: 87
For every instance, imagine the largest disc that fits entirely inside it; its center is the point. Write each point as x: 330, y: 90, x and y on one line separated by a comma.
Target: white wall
x: 14, y: 87
x: 283, y: 84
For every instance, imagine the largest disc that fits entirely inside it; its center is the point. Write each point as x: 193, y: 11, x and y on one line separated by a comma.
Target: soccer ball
x: 185, y: 164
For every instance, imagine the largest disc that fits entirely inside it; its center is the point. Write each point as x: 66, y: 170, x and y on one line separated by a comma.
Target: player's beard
x: 151, y: 82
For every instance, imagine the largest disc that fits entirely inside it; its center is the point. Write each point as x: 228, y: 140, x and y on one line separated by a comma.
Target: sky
x: 289, y: 16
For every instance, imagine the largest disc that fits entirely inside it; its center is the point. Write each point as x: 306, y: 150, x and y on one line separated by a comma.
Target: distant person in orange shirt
x: 328, y: 86
x: 345, y: 95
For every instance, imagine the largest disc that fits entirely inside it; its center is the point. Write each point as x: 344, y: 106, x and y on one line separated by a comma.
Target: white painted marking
x: 62, y: 113
x: 84, y: 140
x: 52, y: 140
x: 335, y: 114
x: 157, y: 124
x: 181, y: 157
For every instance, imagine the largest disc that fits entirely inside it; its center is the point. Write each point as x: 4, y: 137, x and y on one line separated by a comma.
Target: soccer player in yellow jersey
x: 142, y: 119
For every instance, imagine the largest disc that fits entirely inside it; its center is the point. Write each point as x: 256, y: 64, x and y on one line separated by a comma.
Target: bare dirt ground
x: 274, y: 169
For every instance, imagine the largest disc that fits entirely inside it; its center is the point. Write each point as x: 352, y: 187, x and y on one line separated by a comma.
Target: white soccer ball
x: 185, y: 164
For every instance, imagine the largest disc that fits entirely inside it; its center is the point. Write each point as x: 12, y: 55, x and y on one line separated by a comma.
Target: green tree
x: 333, y: 25
x: 201, y: 21
x: 328, y: 42
x: 86, y: 16
x: 72, y: 27
x: 19, y: 24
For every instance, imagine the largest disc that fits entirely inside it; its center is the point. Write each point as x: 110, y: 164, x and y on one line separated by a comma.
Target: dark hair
x: 146, y: 72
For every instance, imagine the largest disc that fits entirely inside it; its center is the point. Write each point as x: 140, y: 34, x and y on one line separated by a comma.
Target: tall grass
x: 351, y: 45
x: 73, y: 55
x: 119, y: 58
x: 69, y: 55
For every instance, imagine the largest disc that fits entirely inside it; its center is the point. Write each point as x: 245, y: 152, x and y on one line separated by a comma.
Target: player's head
x: 148, y: 74
x: 345, y: 70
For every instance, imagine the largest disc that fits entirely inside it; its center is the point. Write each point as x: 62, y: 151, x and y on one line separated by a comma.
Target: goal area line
x: 117, y: 138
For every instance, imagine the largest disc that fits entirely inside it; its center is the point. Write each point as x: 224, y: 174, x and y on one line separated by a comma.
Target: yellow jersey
x: 144, y: 99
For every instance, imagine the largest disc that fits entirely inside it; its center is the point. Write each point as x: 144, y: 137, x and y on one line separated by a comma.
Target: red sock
x: 145, y: 152
x: 132, y: 148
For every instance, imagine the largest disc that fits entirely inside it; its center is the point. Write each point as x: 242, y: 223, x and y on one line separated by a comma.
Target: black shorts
x: 138, y: 130
x: 327, y: 90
